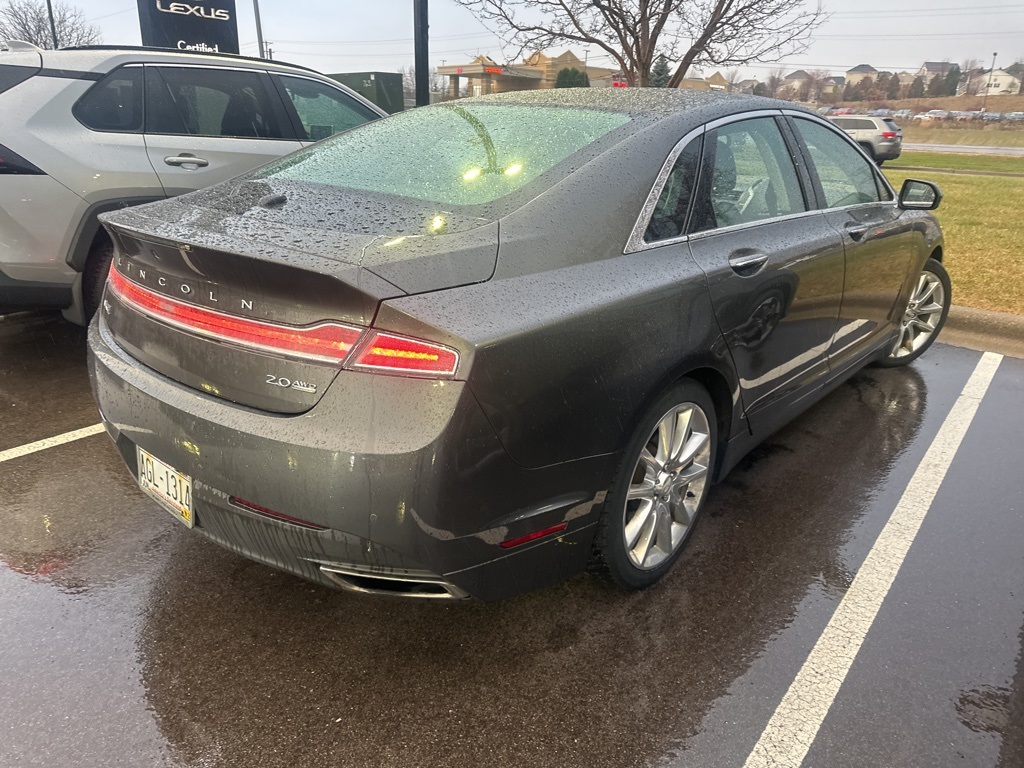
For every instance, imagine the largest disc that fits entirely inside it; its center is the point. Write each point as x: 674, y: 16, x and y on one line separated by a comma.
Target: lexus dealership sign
x: 190, y: 25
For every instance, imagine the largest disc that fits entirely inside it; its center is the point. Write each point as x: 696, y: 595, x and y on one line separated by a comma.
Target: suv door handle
x: 746, y: 263
x: 187, y: 160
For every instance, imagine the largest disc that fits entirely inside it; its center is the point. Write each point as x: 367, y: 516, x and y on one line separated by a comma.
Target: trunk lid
x: 282, y: 254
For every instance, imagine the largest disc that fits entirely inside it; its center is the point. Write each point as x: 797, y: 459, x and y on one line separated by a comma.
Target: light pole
x: 53, y: 25
x: 422, y: 64
x: 988, y: 81
x: 259, y: 27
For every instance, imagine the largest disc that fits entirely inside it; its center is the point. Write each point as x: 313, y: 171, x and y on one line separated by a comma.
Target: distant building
x: 930, y: 69
x: 859, y: 73
x: 537, y: 71
x: 998, y: 82
x: 795, y: 81
x: 745, y: 86
x: 717, y: 82
x: 831, y: 85
x: 906, y: 78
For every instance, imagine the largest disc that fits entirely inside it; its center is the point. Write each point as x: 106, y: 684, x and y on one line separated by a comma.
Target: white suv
x: 89, y: 130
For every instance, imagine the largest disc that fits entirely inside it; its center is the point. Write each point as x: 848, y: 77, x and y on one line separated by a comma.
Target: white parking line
x: 50, y: 442
x: 795, y: 723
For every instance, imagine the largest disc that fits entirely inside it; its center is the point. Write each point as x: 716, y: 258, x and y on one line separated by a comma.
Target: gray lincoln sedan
x: 476, y: 348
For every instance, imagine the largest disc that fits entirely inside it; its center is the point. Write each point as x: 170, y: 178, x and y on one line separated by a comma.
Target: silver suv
x: 880, y: 137
x: 89, y: 130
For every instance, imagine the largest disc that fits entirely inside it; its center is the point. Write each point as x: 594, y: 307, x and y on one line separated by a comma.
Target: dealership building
x: 484, y: 75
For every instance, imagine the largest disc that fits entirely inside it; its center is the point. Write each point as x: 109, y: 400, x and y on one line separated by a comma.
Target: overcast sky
x: 356, y: 35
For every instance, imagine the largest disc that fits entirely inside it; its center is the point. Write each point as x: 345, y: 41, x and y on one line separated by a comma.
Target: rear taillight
x: 888, y: 134
x: 11, y: 162
x: 327, y: 342
x: 324, y: 342
x: 386, y: 352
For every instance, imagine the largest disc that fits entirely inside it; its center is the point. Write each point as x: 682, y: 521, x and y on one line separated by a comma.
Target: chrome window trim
x: 751, y: 224
x: 636, y: 241
x: 840, y: 132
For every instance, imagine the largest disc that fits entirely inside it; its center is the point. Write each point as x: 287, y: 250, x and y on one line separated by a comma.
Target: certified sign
x: 190, y: 25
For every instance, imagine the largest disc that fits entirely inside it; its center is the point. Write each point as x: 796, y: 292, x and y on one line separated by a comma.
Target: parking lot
x: 127, y: 640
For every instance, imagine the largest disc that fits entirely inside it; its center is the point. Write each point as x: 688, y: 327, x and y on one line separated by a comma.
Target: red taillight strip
x: 508, y: 544
x: 386, y: 352
x: 325, y: 342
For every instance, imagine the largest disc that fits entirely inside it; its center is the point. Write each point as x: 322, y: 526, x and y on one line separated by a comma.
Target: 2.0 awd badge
x: 280, y: 381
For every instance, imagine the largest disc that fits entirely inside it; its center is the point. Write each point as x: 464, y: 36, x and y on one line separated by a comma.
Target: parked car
x: 880, y: 137
x: 936, y: 114
x: 475, y: 347
x: 89, y: 130
x: 994, y: 117
x: 903, y: 114
x: 1014, y: 116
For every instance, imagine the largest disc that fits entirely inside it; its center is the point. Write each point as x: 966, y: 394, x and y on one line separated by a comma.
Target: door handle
x: 747, y: 263
x: 857, y: 231
x: 187, y: 160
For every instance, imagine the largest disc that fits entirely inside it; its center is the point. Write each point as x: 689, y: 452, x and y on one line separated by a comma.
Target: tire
x: 870, y: 150
x: 656, y: 496
x: 879, y: 163
x: 923, y: 318
x: 94, y: 276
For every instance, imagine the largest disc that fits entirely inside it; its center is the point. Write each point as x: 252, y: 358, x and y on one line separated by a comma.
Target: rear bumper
x: 887, y: 150
x: 405, y: 478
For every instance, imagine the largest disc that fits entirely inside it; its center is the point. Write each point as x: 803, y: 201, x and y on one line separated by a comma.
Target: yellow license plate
x: 167, y: 485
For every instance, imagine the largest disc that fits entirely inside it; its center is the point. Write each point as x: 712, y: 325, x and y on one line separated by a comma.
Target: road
x: 963, y: 149
x: 125, y: 639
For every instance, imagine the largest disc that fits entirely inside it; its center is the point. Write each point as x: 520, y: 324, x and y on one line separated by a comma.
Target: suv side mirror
x: 920, y: 195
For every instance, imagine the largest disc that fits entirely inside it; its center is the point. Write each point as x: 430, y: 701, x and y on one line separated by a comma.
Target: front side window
x: 114, y: 104
x: 210, y: 102
x: 750, y: 176
x: 847, y: 177
x: 323, y: 111
x: 669, y: 216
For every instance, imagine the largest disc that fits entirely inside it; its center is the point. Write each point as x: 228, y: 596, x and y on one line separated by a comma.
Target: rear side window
x: 210, y: 102
x: 847, y: 177
x: 749, y: 176
x: 669, y: 216
x: 114, y: 104
x: 322, y: 110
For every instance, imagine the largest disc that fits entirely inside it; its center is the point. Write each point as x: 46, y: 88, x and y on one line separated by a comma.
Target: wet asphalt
x: 125, y: 640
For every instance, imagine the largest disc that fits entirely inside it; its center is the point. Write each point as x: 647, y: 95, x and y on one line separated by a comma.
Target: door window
x: 847, y: 177
x: 324, y: 111
x: 210, y: 102
x: 669, y: 215
x: 114, y: 103
x: 749, y: 176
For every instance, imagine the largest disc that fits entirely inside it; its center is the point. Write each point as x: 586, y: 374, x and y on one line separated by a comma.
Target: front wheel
x: 659, y: 489
x: 924, y: 316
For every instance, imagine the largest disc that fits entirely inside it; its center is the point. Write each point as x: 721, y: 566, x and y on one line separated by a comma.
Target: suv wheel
x: 94, y: 276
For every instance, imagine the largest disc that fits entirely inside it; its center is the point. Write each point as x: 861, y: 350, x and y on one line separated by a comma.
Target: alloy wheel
x: 667, y: 486
x: 922, y: 317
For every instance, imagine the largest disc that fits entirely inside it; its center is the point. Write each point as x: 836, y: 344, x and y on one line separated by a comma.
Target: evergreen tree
x: 892, y: 91
x: 660, y: 74
x: 916, y: 88
x: 952, y: 80
x: 572, y: 78
x: 937, y: 86
x: 760, y: 89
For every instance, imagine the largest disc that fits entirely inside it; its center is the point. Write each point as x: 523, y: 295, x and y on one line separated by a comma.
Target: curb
x: 984, y: 331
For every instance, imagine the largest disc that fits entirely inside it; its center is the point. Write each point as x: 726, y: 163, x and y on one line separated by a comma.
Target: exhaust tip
x: 396, y: 582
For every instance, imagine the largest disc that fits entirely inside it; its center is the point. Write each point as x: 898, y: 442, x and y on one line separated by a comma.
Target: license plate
x: 167, y: 485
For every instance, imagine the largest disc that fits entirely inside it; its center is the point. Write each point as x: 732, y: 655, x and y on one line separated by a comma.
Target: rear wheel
x: 94, y: 276
x: 659, y: 489
x: 924, y: 316
x: 870, y: 150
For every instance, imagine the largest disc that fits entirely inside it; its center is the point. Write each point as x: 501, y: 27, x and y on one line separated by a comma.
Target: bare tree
x: 972, y: 74
x: 816, y: 81
x: 435, y: 82
x: 28, y: 20
x: 732, y: 78
x: 633, y: 32
x: 775, y: 80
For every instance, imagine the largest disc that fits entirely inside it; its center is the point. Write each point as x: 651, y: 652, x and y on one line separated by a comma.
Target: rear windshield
x: 892, y: 125
x: 451, y: 154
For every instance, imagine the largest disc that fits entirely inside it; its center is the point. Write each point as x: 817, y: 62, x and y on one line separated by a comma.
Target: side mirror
x: 920, y: 195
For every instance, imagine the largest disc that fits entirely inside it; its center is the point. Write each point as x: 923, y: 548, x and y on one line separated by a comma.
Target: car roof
x: 105, y: 57
x: 639, y: 101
